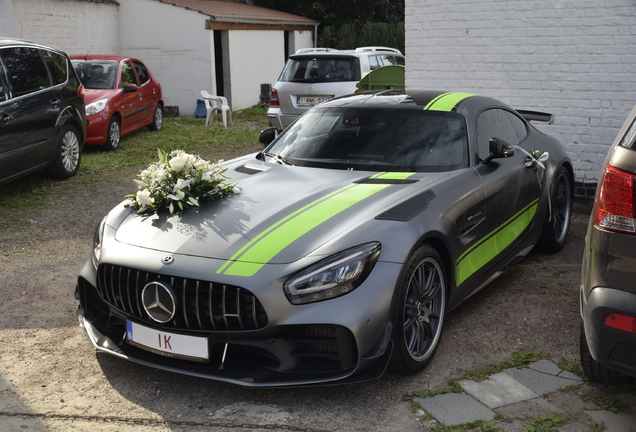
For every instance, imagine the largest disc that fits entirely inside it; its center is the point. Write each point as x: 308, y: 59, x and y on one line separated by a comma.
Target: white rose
x: 143, y: 198
x: 201, y: 165
x: 177, y: 163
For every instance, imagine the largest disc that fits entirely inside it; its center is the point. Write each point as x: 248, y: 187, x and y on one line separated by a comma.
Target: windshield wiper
x: 281, y: 160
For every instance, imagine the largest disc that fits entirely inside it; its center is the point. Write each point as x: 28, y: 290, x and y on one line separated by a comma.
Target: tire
x: 68, y: 155
x: 157, y: 120
x: 557, y: 223
x: 419, y: 310
x: 596, y: 371
x: 113, y: 134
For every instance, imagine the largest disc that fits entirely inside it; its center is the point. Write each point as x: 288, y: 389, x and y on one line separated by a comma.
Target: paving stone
x: 614, y: 422
x: 498, y: 390
x: 528, y: 409
x: 546, y: 367
x: 455, y: 408
x: 539, y: 382
x: 569, y: 375
x: 575, y: 427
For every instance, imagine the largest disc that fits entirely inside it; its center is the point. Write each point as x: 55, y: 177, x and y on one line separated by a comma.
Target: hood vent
x: 249, y: 171
x: 407, y: 210
x: 385, y: 181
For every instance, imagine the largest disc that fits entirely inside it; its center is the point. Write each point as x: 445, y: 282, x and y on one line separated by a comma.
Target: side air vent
x: 408, y: 209
x: 249, y: 171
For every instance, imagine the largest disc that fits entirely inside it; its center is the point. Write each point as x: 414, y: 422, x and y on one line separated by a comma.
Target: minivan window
x: 57, y: 65
x: 321, y: 69
x: 25, y: 69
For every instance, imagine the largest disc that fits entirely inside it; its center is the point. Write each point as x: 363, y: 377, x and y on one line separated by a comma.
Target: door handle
x: 6, y: 118
x: 140, y: 98
x: 55, y: 103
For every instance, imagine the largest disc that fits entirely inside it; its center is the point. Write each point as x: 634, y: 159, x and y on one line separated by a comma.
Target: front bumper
x: 251, y: 350
x: 614, y: 349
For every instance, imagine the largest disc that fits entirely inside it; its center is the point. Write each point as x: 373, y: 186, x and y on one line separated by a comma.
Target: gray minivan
x: 42, y: 114
x: 608, y: 290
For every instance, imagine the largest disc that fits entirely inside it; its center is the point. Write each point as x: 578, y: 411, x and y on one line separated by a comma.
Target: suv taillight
x: 615, y: 206
x: 273, y: 98
x: 81, y: 91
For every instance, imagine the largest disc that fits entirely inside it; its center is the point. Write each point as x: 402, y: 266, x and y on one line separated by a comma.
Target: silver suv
x: 315, y: 75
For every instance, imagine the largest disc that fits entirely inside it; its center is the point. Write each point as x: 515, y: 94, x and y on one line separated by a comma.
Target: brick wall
x: 71, y: 25
x: 576, y: 59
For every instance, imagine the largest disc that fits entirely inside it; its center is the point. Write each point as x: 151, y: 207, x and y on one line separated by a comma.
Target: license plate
x: 167, y: 343
x: 311, y: 100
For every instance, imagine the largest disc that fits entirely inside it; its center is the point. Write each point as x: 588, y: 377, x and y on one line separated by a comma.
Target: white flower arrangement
x: 179, y: 180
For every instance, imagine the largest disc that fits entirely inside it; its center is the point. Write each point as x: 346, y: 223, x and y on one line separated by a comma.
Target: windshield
x: 96, y: 74
x: 321, y: 69
x: 375, y: 139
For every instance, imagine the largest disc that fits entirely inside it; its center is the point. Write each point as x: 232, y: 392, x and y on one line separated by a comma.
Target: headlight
x: 333, y: 277
x: 96, y: 106
x: 97, y: 242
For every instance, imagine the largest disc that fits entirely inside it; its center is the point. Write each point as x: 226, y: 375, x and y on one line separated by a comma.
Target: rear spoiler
x: 537, y: 115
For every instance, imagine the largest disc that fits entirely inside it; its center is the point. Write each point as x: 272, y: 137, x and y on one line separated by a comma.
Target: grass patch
x: 545, y: 423
x: 519, y: 359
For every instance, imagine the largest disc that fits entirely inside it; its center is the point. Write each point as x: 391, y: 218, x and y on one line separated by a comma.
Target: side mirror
x: 130, y: 88
x: 268, y: 135
x: 499, y: 149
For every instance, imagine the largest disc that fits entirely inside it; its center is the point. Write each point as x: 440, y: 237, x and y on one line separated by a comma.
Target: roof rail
x: 310, y: 50
x: 377, y: 48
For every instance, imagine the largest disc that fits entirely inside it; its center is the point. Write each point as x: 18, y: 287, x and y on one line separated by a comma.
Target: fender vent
x: 408, y: 209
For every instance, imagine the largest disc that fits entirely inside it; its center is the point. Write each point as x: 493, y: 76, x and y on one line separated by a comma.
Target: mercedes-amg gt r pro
x: 357, y: 230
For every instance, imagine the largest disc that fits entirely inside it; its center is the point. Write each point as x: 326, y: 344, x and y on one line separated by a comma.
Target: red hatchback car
x: 121, y: 97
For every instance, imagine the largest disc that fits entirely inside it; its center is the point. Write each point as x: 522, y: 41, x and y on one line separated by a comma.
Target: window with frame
x: 58, y: 66
x: 498, y: 123
x: 25, y: 69
x: 142, y: 72
x: 128, y: 75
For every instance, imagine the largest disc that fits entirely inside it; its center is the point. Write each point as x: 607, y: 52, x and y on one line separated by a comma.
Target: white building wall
x: 75, y: 27
x: 249, y: 67
x: 175, y: 45
x: 6, y: 19
x: 301, y: 39
x: 576, y: 59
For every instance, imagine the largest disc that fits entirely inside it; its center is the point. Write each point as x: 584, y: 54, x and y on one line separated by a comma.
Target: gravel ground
x: 50, y: 378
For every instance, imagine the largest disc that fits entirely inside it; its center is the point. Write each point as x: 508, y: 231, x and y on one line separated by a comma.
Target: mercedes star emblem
x: 159, y: 301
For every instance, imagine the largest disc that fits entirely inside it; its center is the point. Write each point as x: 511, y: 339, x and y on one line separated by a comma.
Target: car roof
x: 358, y: 52
x: 5, y: 42
x: 99, y: 57
x: 418, y: 99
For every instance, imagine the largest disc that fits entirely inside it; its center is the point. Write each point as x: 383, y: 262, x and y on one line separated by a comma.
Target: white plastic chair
x: 216, y: 103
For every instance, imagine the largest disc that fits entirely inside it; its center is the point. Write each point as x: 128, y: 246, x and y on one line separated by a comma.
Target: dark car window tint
x: 128, y: 75
x: 321, y: 69
x: 2, y: 89
x: 25, y: 70
x: 144, y: 77
x: 518, y: 125
x: 494, y: 123
x: 58, y: 66
x: 392, y: 60
x: 354, y: 138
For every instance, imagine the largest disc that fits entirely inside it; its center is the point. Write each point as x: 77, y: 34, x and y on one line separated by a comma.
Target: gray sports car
x: 357, y: 230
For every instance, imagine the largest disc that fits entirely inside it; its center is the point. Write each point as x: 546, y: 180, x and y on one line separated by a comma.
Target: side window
x: 3, y: 96
x: 25, y: 69
x: 519, y: 126
x: 494, y: 123
x: 142, y: 72
x: 128, y: 75
x: 58, y: 66
x: 374, y: 62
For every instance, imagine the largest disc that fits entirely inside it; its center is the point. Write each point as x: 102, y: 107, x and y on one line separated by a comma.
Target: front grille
x: 201, y: 304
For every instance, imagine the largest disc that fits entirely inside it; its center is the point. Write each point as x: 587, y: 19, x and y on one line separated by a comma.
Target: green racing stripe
x: 260, y: 250
x: 446, y: 101
x: 496, y: 242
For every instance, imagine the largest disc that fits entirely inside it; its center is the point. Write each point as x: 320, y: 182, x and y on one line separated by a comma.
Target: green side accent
x: 394, y: 175
x: 254, y: 255
x: 496, y: 242
x: 446, y: 101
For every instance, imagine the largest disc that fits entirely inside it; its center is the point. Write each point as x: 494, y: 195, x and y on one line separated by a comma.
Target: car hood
x: 282, y: 214
x: 91, y: 95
